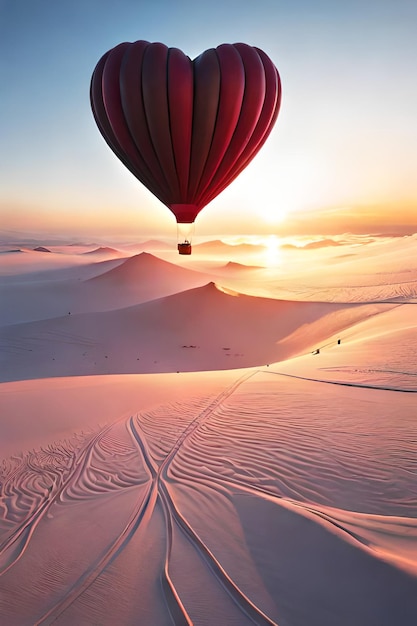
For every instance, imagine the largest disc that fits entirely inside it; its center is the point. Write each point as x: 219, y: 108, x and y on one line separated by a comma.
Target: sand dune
x: 104, y: 251
x: 278, y: 488
x: 41, y: 249
x: 376, y: 352
x: 186, y: 486
x: 313, y: 245
x: 221, y: 248
x: 92, y: 287
x: 204, y: 328
x: 26, y: 264
x: 381, y: 271
x: 148, y: 269
x: 234, y: 267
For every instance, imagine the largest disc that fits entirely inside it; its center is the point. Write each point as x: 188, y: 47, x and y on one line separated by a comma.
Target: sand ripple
x: 262, y: 505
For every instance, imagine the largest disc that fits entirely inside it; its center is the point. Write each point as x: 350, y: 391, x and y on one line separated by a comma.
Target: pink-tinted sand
x: 209, y: 443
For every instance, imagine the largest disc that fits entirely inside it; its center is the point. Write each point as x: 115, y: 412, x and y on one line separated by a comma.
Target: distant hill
x: 41, y: 249
x: 240, y: 267
x: 313, y: 245
x: 216, y: 245
x: 103, y: 250
x: 151, y: 244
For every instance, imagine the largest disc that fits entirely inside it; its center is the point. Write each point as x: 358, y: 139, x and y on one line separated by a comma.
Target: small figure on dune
x: 317, y: 351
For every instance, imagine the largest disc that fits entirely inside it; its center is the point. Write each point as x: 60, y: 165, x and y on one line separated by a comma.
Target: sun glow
x: 273, y: 214
x: 272, y: 255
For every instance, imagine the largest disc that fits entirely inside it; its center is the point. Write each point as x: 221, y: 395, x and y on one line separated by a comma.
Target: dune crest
x: 150, y: 337
x: 143, y: 266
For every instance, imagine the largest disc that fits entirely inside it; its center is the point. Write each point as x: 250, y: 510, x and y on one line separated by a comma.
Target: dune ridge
x: 215, y: 326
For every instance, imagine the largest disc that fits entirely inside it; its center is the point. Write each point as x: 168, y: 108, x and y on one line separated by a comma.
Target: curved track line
x: 172, y: 513
x: 157, y: 489
x: 29, y: 525
x: 143, y: 510
x: 339, y: 382
x: 236, y: 594
x: 173, y: 601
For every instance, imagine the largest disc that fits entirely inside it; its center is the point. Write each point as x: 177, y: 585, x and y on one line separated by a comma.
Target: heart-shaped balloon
x: 185, y: 128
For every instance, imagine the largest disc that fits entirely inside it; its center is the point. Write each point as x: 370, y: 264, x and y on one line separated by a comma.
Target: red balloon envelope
x: 185, y: 129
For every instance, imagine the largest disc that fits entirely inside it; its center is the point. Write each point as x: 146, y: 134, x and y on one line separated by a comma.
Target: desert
x: 225, y: 439
x: 208, y: 313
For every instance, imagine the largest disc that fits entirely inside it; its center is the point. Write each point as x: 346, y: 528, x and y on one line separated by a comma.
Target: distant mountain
x: 22, y: 239
x: 78, y: 244
x: 313, y: 245
x: 216, y: 245
x: 240, y: 267
x: 103, y: 250
x: 41, y: 249
x: 151, y: 244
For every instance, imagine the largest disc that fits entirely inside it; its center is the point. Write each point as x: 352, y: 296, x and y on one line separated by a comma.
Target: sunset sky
x: 342, y: 156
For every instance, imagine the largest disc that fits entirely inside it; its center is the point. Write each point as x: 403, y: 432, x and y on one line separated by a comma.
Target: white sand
x: 174, y: 452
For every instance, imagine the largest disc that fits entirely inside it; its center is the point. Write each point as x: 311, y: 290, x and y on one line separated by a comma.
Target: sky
x: 341, y: 157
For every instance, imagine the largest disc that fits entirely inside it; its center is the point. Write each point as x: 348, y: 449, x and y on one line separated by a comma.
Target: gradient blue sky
x: 345, y: 142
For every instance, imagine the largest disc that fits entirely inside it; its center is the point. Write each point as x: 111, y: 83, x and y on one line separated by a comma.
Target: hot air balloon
x: 185, y: 128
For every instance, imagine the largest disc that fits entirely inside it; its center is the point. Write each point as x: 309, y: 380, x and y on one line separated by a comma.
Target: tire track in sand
x: 172, y: 514
x: 142, y: 511
x: 156, y: 491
